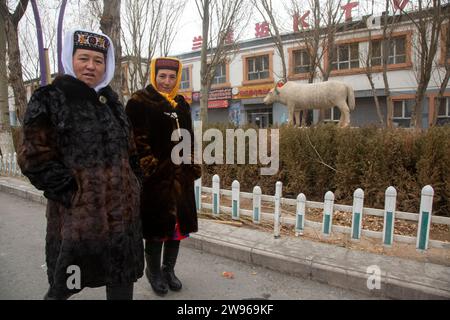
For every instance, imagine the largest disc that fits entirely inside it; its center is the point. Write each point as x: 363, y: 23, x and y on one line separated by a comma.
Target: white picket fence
x: 9, y: 165
x: 298, y: 220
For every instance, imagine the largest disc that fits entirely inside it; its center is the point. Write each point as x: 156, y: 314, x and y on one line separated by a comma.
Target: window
x: 402, y: 112
x: 346, y: 56
x: 332, y: 115
x: 396, y: 51
x: 185, y: 78
x: 258, y: 68
x: 444, y: 111
x: 302, y: 61
x: 221, y: 74
x: 444, y: 108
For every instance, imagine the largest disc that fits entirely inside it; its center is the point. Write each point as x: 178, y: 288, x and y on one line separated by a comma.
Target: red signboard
x: 218, y: 104
x: 298, y: 20
x: 262, y: 30
x: 348, y: 10
x: 197, y: 43
x: 220, y: 94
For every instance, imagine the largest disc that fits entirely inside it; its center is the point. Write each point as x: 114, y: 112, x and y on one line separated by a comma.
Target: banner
x: 218, y: 104
x: 252, y: 91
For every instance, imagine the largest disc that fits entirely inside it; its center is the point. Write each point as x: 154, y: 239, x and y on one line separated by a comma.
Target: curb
x: 307, y: 268
x: 270, y: 257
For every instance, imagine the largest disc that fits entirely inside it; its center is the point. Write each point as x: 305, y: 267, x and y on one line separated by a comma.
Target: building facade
x: 242, y: 82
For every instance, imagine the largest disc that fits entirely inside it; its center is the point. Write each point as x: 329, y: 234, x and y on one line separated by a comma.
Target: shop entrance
x: 262, y: 117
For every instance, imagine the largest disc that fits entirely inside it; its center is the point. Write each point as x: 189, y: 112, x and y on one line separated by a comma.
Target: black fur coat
x: 168, y: 189
x: 79, y: 149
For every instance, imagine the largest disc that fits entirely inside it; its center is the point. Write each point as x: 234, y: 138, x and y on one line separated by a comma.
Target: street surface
x: 23, y: 276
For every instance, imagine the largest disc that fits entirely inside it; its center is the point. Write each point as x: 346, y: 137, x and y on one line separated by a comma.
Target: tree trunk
x: 14, y: 60
x: 6, y: 141
x: 375, y: 99
x: 384, y: 57
x: 204, y: 66
x: 370, y: 78
x: 110, y: 25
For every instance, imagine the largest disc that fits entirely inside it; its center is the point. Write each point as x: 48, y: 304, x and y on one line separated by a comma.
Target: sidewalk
x: 336, y: 266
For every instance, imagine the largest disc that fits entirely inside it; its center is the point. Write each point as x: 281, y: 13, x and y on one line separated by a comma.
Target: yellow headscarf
x: 171, y: 96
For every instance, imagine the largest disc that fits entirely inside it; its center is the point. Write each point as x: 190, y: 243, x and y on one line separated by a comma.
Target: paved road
x: 22, y: 268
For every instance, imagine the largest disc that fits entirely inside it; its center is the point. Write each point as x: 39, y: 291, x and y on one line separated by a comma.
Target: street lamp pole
x: 59, y: 36
x: 40, y: 43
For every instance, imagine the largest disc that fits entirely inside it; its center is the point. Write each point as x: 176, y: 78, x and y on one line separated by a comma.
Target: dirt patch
x: 374, y: 223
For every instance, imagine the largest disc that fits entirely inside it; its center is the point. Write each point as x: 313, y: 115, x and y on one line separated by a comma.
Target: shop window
x: 261, y: 117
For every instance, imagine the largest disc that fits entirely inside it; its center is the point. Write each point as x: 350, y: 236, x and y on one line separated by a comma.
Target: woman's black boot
x: 153, y: 270
x: 171, y: 249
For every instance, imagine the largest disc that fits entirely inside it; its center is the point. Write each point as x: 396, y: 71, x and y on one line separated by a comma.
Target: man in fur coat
x: 78, y: 148
x: 168, y: 201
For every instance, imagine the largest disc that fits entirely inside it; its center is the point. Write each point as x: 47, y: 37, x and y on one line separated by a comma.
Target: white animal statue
x: 321, y: 95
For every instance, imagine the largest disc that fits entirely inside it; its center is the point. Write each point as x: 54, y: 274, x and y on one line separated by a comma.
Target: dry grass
x: 401, y: 227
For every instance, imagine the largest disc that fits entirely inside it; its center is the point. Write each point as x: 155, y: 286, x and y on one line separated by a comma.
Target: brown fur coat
x: 80, y: 152
x: 168, y: 189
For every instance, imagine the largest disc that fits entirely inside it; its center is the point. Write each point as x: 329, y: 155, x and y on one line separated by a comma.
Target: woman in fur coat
x: 78, y: 148
x: 157, y: 113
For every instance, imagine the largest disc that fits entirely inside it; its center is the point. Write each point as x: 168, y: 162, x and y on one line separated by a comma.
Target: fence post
x: 14, y: 173
x: 357, y: 214
x: 328, y: 213
x: 277, y: 213
x: 257, y: 204
x: 235, y: 206
x: 301, y: 211
x: 216, y: 195
x: 9, y: 164
x: 198, y: 193
x: 389, y: 216
x: 426, y: 206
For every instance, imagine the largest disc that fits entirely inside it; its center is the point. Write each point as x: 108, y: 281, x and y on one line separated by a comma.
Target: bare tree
x: 27, y: 37
x: 15, y: 65
x: 6, y: 141
x: 110, y: 25
x: 312, y: 39
x: 169, y: 29
x: 446, y: 64
x: 265, y: 8
x: 388, y: 28
x: 427, y: 21
x: 226, y: 14
x: 149, y: 28
x: 330, y: 15
x: 367, y: 62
